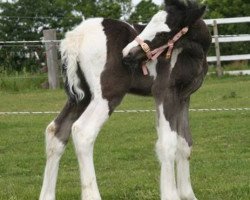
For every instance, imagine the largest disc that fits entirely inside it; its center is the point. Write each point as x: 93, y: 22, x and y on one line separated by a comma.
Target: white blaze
x: 156, y: 25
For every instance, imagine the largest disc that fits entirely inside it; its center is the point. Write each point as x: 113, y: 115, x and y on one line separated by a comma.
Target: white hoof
x: 90, y: 195
x: 172, y: 197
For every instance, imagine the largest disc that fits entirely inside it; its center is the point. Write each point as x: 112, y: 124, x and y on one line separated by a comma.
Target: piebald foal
x: 95, y: 56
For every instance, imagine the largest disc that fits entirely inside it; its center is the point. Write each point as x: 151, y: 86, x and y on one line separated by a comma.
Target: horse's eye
x: 161, y: 34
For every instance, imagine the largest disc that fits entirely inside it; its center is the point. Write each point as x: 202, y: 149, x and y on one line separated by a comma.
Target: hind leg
x: 57, y: 134
x: 84, y: 133
x: 54, y: 151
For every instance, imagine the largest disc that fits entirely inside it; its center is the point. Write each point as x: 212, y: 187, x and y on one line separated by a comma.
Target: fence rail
x: 232, y: 38
x: 29, y: 42
x: 51, y: 43
x: 228, y: 20
x: 217, y: 39
x: 128, y: 111
x: 229, y: 58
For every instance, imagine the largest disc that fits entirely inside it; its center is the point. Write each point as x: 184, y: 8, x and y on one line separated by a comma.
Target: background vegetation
x: 25, y: 20
x: 226, y: 9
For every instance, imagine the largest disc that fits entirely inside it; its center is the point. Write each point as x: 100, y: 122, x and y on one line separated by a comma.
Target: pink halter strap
x: 175, y: 39
x: 147, y: 50
x: 153, y: 55
x: 144, y: 46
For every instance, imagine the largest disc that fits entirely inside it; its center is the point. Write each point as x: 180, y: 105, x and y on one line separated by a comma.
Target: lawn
x: 126, y: 165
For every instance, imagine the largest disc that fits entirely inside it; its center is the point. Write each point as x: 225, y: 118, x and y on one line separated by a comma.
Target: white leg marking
x: 84, y: 133
x: 174, y: 57
x: 54, y: 151
x: 166, y: 150
x: 183, y: 173
x: 152, y: 68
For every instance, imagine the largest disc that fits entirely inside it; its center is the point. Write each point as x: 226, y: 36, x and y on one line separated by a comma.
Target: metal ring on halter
x: 145, y: 47
x: 170, y: 49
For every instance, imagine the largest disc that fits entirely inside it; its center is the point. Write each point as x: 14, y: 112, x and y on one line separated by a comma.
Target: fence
x: 51, y: 42
x: 217, y: 39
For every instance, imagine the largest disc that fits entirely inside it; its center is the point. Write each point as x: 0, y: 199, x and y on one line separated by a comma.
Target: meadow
x: 125, y: 161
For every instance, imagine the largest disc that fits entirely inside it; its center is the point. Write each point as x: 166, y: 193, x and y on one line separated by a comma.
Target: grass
x: 20, y: 83
x: 125, y: 161
x: 231, y: 66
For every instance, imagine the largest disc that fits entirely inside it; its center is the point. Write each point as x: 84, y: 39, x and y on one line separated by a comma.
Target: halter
x: 153, y: 55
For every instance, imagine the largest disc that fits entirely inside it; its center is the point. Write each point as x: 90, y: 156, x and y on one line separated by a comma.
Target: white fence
x: 51, y: 41
x: 228, y: 38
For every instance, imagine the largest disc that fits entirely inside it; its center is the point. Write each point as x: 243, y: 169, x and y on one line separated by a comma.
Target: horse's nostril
x: 130, y: 54
x: 128, y: 60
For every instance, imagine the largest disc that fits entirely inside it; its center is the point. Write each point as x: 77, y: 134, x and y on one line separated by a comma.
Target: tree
x: 99, y: 8
x: 144, y: 11
x: 108, y: 9
x: 26, y: 19
x: 226, y: 9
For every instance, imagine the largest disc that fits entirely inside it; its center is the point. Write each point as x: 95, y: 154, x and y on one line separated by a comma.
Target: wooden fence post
x: 52, y: 58
x: 219, y: 70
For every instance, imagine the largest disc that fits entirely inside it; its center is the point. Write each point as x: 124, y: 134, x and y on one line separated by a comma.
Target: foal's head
x: 162, y: 27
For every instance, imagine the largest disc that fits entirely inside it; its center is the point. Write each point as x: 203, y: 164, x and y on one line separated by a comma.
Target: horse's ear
x: 195, y: 14
x: 173, y: 2
x: 202, y: 10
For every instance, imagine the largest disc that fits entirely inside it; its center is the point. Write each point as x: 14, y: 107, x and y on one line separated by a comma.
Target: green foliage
x: 227, y: 9
x: 144, y: 11
x: 26, y: 20
x: 109, y: 9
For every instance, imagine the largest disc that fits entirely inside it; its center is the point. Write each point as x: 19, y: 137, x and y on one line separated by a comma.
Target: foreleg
x: 166, y: 147
x: 183, y: 154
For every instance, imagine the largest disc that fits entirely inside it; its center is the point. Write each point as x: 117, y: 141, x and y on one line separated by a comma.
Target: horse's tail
x: 70, y: 52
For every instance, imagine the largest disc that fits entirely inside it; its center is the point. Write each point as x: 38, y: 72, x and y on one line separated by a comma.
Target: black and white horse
x: 102, y: 63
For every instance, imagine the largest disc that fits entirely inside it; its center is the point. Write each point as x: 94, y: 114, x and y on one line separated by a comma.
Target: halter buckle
x: 145, y: 47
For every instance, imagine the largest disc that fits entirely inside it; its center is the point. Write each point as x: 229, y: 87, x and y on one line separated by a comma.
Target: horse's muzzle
x: 135, y: 57
x: 128, y: 60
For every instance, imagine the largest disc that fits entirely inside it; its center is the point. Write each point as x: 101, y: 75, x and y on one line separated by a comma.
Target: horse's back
x: 95, y: 47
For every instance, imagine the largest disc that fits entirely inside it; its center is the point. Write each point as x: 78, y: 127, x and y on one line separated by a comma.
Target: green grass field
x: 126, y: 165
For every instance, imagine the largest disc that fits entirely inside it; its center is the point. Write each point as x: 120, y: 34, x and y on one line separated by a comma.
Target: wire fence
x: 128, y: 111
x: 33, y: 53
